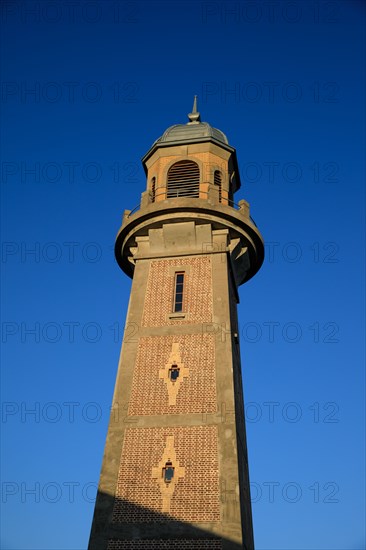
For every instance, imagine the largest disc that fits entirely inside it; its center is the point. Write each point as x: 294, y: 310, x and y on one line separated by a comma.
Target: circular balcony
x: 242, y: 231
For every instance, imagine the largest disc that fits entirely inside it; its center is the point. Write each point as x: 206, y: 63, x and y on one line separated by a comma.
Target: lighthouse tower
x: 175, y: 467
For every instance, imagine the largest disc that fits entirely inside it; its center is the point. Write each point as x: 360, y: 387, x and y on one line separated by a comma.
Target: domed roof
x: 194, y: 130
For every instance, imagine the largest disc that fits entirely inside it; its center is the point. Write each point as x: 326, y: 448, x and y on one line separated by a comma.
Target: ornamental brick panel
x: 197, y: 388
x: 196, y: 495
x: 160, y: 292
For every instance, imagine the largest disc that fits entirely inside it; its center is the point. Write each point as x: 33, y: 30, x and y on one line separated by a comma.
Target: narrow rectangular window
x: 178, y: 292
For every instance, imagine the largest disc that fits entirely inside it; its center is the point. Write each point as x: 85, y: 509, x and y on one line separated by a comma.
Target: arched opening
x: 183, y: 180
x: 218, y: 184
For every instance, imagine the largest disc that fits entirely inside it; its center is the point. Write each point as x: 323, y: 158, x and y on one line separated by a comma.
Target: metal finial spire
x: 194, y: 116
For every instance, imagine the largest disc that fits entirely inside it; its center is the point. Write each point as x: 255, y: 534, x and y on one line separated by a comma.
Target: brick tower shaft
x: 175, y: 467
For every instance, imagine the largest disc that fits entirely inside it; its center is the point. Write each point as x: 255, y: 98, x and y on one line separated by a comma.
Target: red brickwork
x: 160, y: 292
x: 196, y: 495
x: 165, y: 544
x: 197, y: 391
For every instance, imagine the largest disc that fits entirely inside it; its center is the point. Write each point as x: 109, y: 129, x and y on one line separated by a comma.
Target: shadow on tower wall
x: 158, y: 531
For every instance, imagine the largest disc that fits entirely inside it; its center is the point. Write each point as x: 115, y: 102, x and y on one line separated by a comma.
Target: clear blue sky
x: 284, y: 81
